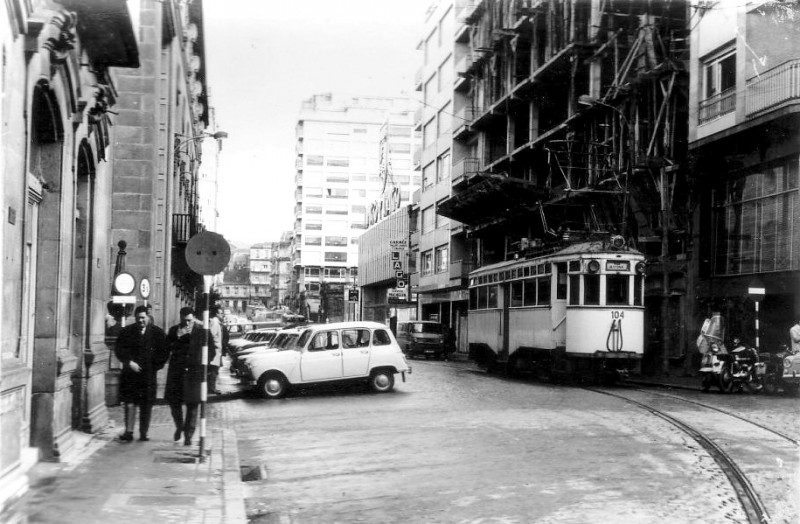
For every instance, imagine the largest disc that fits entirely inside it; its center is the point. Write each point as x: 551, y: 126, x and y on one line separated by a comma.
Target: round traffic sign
x: 124, y: 283
x: 207, y: 253
x: 144, y: 288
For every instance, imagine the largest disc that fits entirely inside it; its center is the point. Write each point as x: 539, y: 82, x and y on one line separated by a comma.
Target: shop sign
x: 384, y: 207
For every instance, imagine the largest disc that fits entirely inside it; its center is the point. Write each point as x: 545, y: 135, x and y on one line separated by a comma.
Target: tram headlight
x: 640, y: 268
x: 593, y: 266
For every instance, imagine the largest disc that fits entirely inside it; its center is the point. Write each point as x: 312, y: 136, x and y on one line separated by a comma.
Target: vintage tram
x: 574, y: 312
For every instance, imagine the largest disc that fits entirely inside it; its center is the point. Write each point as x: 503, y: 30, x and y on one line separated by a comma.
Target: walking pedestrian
x: 180, y: 339
x: 216, y: 328
x: 193, y: 378
x: 141, y: 348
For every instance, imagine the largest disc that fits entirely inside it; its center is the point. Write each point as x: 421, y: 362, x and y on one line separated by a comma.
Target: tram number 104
x: 615, y: 315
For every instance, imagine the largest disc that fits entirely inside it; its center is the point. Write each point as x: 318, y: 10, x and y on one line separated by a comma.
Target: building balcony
x: 464, y: 168
x: 716, y: 106
x: 467, y: 10
x: 416, y: 159
x: 418, y: 78
x: 298, y: 195
x: 184, y: 227
x: 418, y: 117
x: 463, y: 118
x: 459, y: 269
x: 298, y: 163
x: 298, y: 180
x: 773, y: 88
x: 413, y: 238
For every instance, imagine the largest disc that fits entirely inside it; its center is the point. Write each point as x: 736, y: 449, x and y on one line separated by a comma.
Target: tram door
x: 504, y: 299
x: 559, y: 307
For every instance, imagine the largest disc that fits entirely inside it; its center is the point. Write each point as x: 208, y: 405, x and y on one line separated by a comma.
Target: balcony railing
x: 465, y: 167
x: 184, y: 227
x: 779, y: 84
x: 716, y: 106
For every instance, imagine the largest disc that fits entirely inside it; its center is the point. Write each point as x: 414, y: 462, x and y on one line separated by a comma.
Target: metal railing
x: 717, y: 105
x: 778, y: 85
x: 465, y: 167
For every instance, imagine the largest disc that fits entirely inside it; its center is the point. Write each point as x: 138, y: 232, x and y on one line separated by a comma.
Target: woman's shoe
x: 126, y: 437
x: 177, y: 435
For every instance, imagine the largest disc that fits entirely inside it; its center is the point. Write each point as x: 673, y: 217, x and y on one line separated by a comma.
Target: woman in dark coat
x: 141, y: 348
x: 185, y: 373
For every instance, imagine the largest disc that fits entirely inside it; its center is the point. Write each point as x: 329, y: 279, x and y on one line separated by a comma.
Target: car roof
x: 351, y: 324
x: 420, y: 322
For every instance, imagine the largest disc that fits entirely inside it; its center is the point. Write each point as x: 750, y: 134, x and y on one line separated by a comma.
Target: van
x: 421, y: 337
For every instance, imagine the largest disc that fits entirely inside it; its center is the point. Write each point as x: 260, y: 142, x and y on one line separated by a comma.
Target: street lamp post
x: 756, y: 291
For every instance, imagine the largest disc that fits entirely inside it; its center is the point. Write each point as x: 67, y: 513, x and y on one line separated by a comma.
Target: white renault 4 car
x: 339, y: 352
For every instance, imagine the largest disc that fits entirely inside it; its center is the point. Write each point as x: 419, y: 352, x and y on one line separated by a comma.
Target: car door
x: 355, y: 352
x: 322, y: 358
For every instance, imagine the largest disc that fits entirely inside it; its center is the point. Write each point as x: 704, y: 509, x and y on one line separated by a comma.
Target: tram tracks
x: 751, y: 501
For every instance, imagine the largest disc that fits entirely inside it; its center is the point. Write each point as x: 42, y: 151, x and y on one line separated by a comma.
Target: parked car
x: 421, y: 337
x: 285, y: 338
x: 327, y: 353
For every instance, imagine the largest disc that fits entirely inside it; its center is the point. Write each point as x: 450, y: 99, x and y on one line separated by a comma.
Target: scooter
x: 716, y: 369
x: 747, y: 370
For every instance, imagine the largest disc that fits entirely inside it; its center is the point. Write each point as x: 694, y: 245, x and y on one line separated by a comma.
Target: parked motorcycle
x: 716, y: 369
x: 747, y: 370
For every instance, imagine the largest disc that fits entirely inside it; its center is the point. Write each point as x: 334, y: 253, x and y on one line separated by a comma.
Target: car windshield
x: 427, y: 328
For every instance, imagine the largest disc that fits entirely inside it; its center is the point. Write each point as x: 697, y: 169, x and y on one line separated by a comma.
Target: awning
x: 489, y: 197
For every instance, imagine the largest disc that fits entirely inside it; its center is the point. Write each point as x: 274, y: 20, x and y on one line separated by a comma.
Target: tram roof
x: 578, y: 248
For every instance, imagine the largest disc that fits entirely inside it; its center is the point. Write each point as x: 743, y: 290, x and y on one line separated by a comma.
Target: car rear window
x: 427, y: 328
x: 381, y: 338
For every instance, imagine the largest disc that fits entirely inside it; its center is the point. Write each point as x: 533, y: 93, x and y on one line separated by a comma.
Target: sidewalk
x: 159, y: 481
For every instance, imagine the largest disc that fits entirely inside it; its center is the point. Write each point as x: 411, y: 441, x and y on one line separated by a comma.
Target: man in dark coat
x: 180, y: 341
x: 185, y: 373
x: 141, y: 348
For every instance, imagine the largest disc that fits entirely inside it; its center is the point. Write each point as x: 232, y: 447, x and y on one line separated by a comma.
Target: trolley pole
x: 204, y: 377
x: 756, y: 290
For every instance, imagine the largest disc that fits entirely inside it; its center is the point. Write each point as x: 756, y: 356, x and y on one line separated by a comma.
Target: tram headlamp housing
x: 593, y: 266
x: 640, y: 268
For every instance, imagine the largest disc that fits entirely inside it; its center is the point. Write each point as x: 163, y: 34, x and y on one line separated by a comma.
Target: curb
x: 232, y: 487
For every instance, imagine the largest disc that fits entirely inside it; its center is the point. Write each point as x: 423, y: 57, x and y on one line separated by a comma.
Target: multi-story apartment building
x: 337, y: 182
x: 101, y: 113
x: 234, y: 287
x: 439, y: 245
x: 260, y: 274
x: 573, y: 125
x: 744, y: 123
x: 281, y: 276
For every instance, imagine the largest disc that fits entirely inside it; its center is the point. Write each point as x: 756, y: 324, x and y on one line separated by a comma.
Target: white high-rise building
x: 344, y: 166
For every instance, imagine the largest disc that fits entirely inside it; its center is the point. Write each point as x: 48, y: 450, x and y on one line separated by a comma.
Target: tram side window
x: 492, y: 297
x: 574, y: 290
x: 483, y: 291
x: 561, y: 283
x: 638, y: 282
x: 617, y: 290
x: 543, y: 294
x: 516, y: 293
x: 473, y: 298
x: 591, y: 290
x: 530, y: 292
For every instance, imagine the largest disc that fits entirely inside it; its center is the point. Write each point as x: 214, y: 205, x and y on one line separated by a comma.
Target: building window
x: 338, y: 162
x: 314, y: 160
x: 443, y: 167
x: 358, y: 209
x: 313, y: 241
x: 445, y: 117
x: 442, y: 259
x: 427, y: 263
x: 719, y: 86
x: 336, y: 210
x: 755, y: 228
x: 333, y: 192
x: 335, y: 241
x: 429, y: 134
x: 428, y: 175
x: 337, y: 179
x: 439, y: 220
x: 335, y: 256
x: 446, y: 75
x: 427, y: 219
x: 314, y: 210
x: 313, y: 226
x: 313, y: 192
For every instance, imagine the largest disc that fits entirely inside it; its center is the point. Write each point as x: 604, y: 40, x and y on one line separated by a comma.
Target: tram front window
x: 591, y: 290
x: 617, y: 290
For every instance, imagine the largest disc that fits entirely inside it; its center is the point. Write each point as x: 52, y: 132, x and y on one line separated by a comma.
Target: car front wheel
x: 273, y: 385
x: 381, y: 381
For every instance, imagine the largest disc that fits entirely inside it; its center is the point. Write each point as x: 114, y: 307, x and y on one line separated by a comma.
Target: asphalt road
x: 458, y: 446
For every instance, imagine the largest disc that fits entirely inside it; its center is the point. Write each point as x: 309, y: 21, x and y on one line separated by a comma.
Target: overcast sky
x: 264, y: 57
